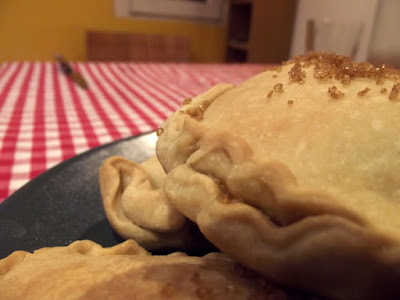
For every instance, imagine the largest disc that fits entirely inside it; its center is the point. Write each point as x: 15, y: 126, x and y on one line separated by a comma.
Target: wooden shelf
x: 265, y: 25
x: 238, y: 45
x: 238, y: 2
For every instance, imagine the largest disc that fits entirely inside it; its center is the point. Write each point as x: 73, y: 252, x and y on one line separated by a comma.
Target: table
x: 45, y: 118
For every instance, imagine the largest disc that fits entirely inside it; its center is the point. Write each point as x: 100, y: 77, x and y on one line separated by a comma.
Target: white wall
x: 385, y: 39
x: 342, y: 10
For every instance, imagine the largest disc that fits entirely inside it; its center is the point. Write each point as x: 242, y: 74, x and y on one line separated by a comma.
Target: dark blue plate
x: 64, y: 204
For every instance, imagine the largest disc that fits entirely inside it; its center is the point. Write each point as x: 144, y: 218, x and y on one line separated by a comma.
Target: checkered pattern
x: 45, y: 118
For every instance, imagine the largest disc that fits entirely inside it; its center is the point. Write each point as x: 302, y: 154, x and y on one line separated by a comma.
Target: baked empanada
x: 85, y: 270
x: 136, y: 206
x: 295, y: 173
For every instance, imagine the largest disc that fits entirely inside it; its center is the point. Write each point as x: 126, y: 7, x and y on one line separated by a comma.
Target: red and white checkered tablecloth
x: 45, y: 118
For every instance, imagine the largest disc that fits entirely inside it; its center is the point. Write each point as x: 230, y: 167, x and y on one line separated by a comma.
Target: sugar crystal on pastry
x: 395, y: 91
x: 296, y: 74
x: 335, y: 93
x: 363, y: 92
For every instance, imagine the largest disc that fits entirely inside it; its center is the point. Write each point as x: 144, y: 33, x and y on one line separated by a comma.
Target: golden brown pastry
x: 85, y: 270
x: 136, y: 206
x: 295, y: 173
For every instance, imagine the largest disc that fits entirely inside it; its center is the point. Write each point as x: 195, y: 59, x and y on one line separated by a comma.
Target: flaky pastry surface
x: 85, y: 270
x: 295, y: 173
x: 137, y: 208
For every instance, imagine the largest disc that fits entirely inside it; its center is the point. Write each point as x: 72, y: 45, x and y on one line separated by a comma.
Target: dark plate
x: 64, y: 204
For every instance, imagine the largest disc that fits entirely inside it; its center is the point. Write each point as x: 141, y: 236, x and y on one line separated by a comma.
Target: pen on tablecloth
x: 70, y: 72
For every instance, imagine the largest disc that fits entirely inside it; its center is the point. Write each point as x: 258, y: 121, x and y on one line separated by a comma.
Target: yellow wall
x: 38, y: 29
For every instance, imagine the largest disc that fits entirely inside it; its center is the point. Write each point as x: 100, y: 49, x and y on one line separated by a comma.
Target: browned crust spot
x: 225, y: 195
x: 278, y: 88
x: 159, y: 131
x: 187, y: 101
x: 197, y: 112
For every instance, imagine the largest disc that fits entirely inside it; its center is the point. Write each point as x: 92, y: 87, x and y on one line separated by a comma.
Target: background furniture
x: 260, y: 30
x: 117, y: 46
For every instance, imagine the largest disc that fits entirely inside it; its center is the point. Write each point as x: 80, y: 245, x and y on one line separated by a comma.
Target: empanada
x: 295, y: 173
x: 85, y: 270
x: 136, y: 206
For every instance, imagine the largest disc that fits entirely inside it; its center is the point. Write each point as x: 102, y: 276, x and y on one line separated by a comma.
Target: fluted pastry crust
x: 295, y: 174
x: 137, y: 208
x: 85, y: 270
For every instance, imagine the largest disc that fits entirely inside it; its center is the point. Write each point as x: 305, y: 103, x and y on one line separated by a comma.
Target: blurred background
x: 256, y: 31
